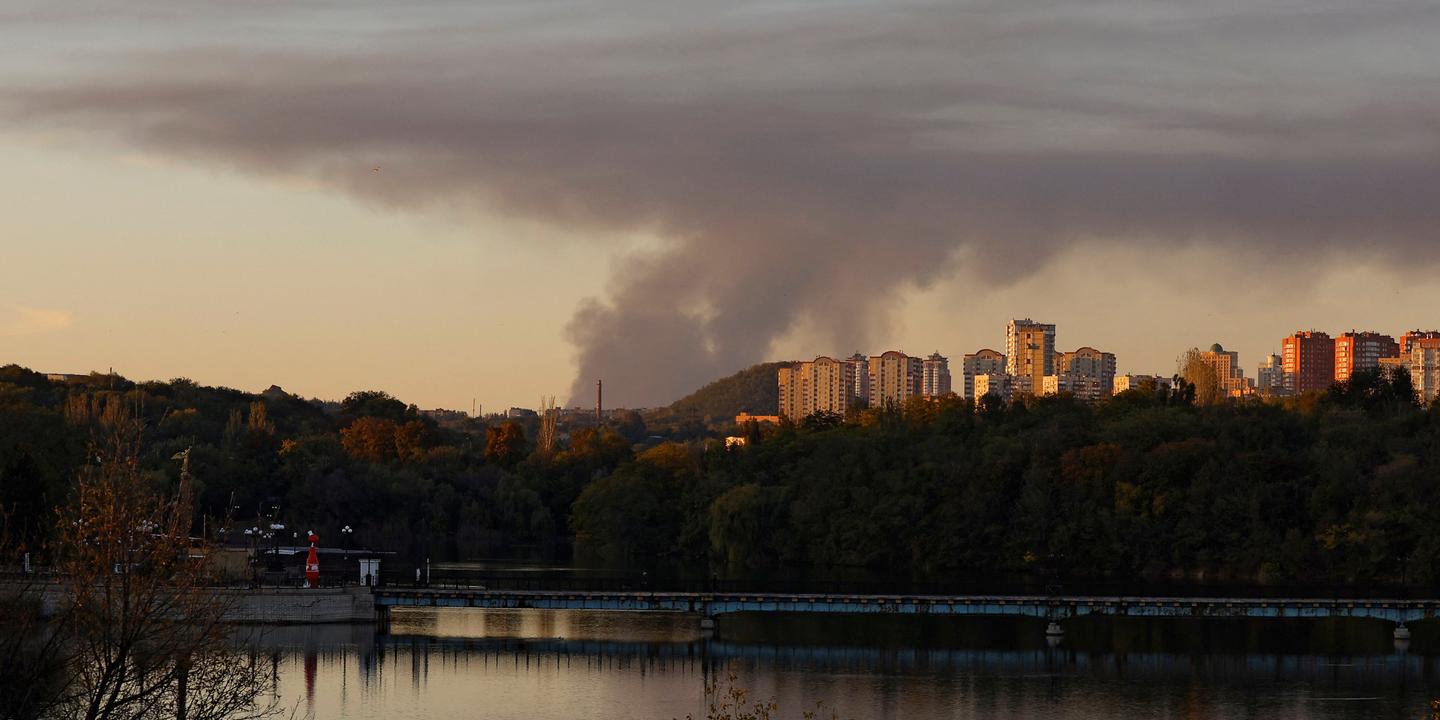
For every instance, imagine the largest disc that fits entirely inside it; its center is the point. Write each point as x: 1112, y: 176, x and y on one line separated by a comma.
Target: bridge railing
x: 554, y: 582
x: 642, y: 582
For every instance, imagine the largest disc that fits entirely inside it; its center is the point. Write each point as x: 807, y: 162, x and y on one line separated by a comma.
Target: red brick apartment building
x: 1309, y: 360
x: 1410, y: 337
x: 1362, y: 351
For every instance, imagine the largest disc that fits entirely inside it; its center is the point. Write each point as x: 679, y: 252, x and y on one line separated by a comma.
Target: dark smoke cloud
x: 805, y: 162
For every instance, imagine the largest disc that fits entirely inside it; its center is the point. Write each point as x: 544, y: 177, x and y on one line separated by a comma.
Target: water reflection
x: 542, y: 664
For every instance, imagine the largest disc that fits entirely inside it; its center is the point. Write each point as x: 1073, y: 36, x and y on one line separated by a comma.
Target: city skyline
x: 1228, y: 364
x: 1032, y: 365
x: 455, y: 201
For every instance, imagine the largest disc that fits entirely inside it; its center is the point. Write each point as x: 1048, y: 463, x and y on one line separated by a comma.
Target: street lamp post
x: 275, y: 528
x: 347, y: 531
x: 252, y: 535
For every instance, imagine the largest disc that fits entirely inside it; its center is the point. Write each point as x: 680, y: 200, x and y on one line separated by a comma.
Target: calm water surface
x: 539, y: 665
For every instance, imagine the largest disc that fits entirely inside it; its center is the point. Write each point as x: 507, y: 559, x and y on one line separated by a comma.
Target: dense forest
x: 1341, y: 486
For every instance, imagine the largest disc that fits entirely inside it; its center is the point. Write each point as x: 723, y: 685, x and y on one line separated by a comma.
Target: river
x: 543, y: 665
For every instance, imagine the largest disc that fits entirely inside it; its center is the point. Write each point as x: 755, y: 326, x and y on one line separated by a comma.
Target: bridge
x: 697, y: 654
x: 1053, y: 608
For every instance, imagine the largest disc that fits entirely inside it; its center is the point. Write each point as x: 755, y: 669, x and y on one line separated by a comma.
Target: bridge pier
x: 1401, y: 632
x: 1054, y: 614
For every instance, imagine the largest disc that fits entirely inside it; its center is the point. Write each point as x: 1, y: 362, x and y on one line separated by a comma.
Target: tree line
x: 1338, y: 486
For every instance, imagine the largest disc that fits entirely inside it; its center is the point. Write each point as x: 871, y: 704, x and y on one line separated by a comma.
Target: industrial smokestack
x: 598, y: 405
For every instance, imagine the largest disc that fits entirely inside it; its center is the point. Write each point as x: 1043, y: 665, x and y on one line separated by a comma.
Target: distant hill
x: 753, y: 390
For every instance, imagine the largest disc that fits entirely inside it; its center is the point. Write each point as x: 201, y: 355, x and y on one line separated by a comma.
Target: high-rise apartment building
x: 788, y: 380
x: 822, y: 385
x: 1420, y: 353
x: 1308, y: 357
x: 1362, y: 351
x: 1411, y: 336
x: 861, y: 366
x: 984, y: 362
x: 993, y: 384
x: 1270, y: 376
x: 1055, y: 384
x: 1029, y: 354
x: 1424, y: 366
x: 1087, y: 362
x: 935, y: 376
x: 894, y: 378
x: 1228, y: 372
x: 1083, y: 387
x: 1147, y: 383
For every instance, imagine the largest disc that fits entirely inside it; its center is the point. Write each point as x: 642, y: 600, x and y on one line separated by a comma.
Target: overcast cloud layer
x: 799, y: 160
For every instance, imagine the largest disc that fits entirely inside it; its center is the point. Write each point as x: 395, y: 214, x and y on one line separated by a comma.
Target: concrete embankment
x: 262, y: 606
x: 297, y: 606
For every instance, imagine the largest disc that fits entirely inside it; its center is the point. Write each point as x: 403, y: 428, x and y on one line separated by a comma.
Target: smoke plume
x: 803, y: 162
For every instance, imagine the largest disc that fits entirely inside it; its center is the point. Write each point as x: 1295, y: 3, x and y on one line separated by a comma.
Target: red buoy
x: 312, y: 563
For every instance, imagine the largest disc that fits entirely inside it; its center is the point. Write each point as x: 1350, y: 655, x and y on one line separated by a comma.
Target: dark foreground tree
x: 32, y: 657
x: 134, y: 629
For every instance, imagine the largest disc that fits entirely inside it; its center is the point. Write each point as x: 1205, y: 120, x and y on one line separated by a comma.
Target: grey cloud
x: 806, y: 161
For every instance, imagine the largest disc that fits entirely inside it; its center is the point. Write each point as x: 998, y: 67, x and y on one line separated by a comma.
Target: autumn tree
x: 411, y: 440
x: 370, y: 439
x: 599, y: 447
x: 505, y: 444
x: 1192, y: 367
x: 258, y: 419
x: 137, y: 631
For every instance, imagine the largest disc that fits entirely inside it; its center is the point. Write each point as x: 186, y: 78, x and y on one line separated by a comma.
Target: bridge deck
x: 1052, y: 607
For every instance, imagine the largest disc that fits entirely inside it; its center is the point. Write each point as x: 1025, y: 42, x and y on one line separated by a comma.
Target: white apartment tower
x: 1424, y: 364
x: 822, y: 385
x: 894, y: 378
x: 935, y: 376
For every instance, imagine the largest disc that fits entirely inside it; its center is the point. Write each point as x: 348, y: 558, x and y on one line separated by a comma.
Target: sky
x: 465, y: 202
